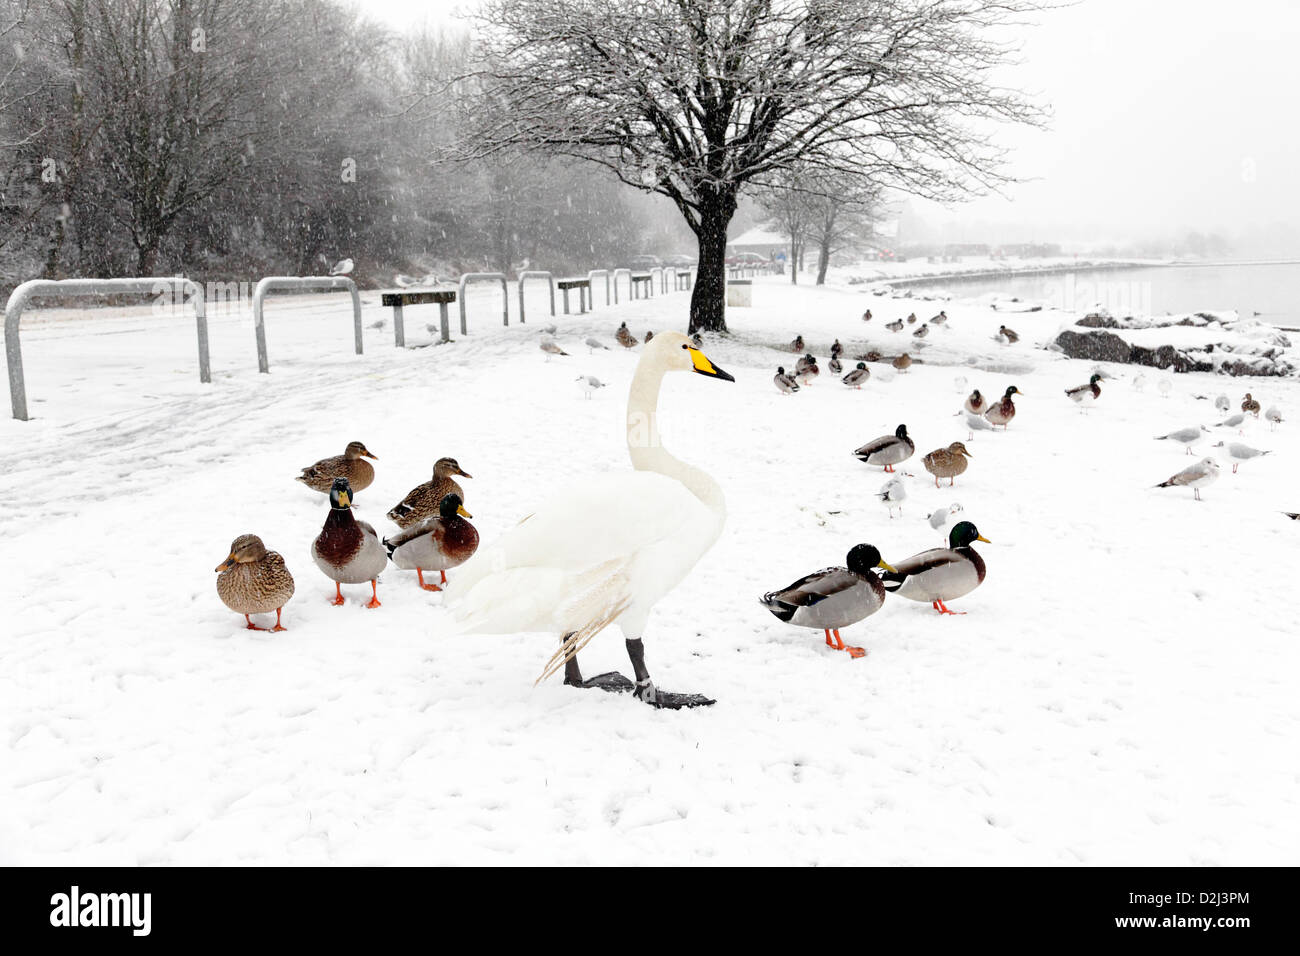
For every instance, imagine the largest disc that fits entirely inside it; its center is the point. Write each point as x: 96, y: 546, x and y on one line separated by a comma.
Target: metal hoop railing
x: 469, y: 277
x: 270, y: 283
x: 535, y: 274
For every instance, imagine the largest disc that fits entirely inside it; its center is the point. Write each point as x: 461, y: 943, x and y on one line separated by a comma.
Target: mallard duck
x: 797, y: 345
x: 887, y: 450
x: 1085, y: 395
x: 911, y: 319
x: 946, y: 462
x: 1197, y: 476
x: 1010, y: 337
x: 649, y: 336
x: 922, y: 331
x: 857, y: 376
x: 895, y: 326
x: 834, y: 367
x: 976, y: 403
x: 1187, y: 437
x: 1250, y: 406
x: 903, y: 362
x: 939, y: 319
x: 348, y: 550
x: 350, y: 465
x: 1239, y: 452
x: 941, y: 574
x: 803, y: 363
x: 624, y: 337
x: 810, y: 370
x: 836, y: 349
x: 254, y: 581
x: 892, y: 494
x: 609, y: 547
x: 866, y: 316
x: 423, y: 500
x: 439, y: 543
x: 833, y: 598
x: 785, y: 384
x: 1001, y: 412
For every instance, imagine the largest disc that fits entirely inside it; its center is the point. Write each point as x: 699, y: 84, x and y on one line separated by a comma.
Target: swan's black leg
x: 646, y: 690
x: 612, y: 681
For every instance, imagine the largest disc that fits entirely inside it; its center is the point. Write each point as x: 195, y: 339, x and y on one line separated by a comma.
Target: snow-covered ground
x: 1120, y: 692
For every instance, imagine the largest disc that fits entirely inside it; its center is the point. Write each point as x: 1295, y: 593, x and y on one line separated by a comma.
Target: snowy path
x: 1121, y: 690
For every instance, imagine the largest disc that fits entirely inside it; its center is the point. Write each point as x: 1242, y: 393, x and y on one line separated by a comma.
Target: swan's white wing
x: 620, y: 540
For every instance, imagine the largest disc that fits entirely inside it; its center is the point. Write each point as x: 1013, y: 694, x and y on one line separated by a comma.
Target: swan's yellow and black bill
x: 887, y: 566
x: 982, y: 538
x: 705, y: 367
x: 460, y: 510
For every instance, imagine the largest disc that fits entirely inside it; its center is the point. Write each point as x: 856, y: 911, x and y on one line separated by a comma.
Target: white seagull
x: 1239, y: 452
x: 1187, y: 437
x: 893, y: 493
x: 1197, y: 476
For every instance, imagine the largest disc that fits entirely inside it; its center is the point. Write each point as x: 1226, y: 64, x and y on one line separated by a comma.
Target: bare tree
x: 842, y: 217
x: 698, y: 99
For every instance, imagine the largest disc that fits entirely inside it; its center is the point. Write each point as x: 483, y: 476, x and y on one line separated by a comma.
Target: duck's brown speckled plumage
x: 1250, y: 406
x: 946, y: 462
x: 624, y: 337
x: 350, y: 465
x: 254, y: 580
x: 421, y: 502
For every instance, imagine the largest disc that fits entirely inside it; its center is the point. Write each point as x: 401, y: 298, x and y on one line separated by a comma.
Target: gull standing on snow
x: 594, y: 343
x: 942, y: 519
x: 976, y: 423
x: 1239, y: 452
x: 1273, y: 416
x: 1197, y: 476
x: 550, y: 348
x: 1234, y: 421
x: 1187, y: 437
x: 1165, y: 387
x: 893, y: 493
x: 1140, y: 382
x: 589, y: 383
x: 1222, y: 403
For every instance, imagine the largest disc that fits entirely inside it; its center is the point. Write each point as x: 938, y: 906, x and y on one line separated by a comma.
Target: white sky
x: 1168, y: 115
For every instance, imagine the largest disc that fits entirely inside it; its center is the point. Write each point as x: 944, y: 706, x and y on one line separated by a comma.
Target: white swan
x: 608, y: 548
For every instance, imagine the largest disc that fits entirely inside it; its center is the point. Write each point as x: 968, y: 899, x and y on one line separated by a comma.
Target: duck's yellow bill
x: 367, y: 454
x: 705, y: 367
x: 887, y: 566
x: 345, y: 499
x: 228, y: 563
x: 981, y: 537
x: 460, y: 510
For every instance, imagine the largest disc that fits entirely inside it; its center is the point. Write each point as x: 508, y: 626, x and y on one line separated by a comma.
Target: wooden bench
x: 396, y: 300
x: 584, y: 293
x: 682, y: 280
x: 645, y: 282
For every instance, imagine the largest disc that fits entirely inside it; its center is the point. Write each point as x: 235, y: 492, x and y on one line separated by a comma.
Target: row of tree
x: 240, y: 136
x: 231, y: 138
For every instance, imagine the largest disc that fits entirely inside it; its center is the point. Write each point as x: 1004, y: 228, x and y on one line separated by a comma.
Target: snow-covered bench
x: 397, y: 300
x: 584, y: 293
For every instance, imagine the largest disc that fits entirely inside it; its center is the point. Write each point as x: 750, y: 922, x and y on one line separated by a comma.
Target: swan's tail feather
x: 593, y: 601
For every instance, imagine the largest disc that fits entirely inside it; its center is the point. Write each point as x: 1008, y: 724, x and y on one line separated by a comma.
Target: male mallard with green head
x: 438, y: 543
x: 833, y: 598
x: 350, y: 465
x: 888, y: 450
x: 1001, y: 412
x: 941, y: 574
x: 254, y: 580
x: 423, y: 501
x: 1085, y: 395
x: 946, y: 462
x: 348, y: 550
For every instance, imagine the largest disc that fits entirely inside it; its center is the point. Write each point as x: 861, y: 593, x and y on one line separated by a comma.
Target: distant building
x: 761, y: 241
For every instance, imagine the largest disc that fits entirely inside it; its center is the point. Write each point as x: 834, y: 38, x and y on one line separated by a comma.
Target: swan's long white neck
x: 647, y: 451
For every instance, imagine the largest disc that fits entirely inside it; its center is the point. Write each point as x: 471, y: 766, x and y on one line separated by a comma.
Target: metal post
x: 615, y: 274
x: 328, y: 283
x: 469, y: 277
x: 179, y: 286
x: 566, y: 300
x: 600, y: 272
x: 399, y: 327
x: 535, y: 275
x: 442, y: 321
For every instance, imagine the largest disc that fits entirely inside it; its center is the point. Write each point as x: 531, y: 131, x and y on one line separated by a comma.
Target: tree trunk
x: 794, y: 258
x: 709, y: 295
x: 823, y: 259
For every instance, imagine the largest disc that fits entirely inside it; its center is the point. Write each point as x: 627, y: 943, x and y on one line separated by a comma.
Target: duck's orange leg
x: 444, y: 576
x: 854, y: 652
x: 889, y: 468
x: 943, y: 608
x: 427, y: 587
x: 251, y: 625
x: 374, y: 590
x: 338, y: 594
x: 278, y: 625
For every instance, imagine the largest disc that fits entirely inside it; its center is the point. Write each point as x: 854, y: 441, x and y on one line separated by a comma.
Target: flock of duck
x: 434, y: 535
x: 643, y: 529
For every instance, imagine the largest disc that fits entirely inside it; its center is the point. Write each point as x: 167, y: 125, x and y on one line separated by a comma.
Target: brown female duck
x: 422, y: 501
x: 350, y: 465
x: 254, y: 580
x: 946, y: 462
